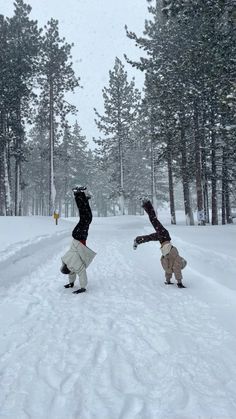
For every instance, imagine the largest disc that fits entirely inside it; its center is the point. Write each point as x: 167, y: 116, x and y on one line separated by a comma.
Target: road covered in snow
x: 128, y: 348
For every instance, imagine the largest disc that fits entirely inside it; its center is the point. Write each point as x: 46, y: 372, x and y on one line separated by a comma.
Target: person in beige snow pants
x: 171, y: 261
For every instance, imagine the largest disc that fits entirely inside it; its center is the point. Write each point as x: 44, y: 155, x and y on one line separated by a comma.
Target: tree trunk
x: 223, y: 215
x: 18, y: 157
x: 198, y: 167
x: 2, y: 172
x: 52, y: 191
x: 5, y: 190
x: 171, y: 185
x: 121, y: 191
x: 153, y: 169
x: 185, y: 179
x: 214, y: 207
x: 229, y: 218
x: 7, y: 186
x: 204, y: 171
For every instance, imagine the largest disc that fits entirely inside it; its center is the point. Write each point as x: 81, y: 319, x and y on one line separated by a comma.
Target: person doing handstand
x: 79, y: 256
x: 171, y: 261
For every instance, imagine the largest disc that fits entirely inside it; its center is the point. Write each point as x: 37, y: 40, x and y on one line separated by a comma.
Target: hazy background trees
x: 173, y: 141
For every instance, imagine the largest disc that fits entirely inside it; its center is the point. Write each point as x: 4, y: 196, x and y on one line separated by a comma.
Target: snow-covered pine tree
x: 167, y: 98
x: 35, y: 167
x: 20, y: 61
x: 5, y: 195
x: 121, y: 99
x: 188, y: 57
x: 56, y: 79
x: 72, y: 167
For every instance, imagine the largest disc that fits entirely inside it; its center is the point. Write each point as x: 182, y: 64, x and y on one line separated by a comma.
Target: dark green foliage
x: 190, y: 74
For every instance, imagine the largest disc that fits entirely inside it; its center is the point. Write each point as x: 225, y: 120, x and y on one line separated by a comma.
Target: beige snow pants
x: 83, y: 280
x: 173, y: 263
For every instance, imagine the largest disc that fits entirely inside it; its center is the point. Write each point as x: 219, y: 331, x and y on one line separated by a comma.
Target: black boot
x: 180, y: 285
x: 79, y: 291
x: 70, y: 285
x: 169, y: 283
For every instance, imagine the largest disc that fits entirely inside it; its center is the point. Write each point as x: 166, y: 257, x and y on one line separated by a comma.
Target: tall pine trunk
x: 223, y: 184
x: 198, y: 166
x: 171, y: 184
x: 121, y: 163
x: 185, y: 178
x: 214, y: 207
x: 204, y: 169
x: 8, y: 204
x: 5, y: 190
x: 229, y: 218
x: 2, y: 173
x: 51, y: 152
x: 153, y: 169
x: 18, y: 158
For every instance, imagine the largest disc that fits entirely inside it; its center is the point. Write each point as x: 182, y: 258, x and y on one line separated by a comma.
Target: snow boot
x: 79, y: 291
x: 169, y: 283
x: 79, y: 189
x: 70, y: 285
x: 180, y: 285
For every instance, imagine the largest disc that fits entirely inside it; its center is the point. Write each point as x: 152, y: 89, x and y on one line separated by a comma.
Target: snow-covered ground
x: 128, y: 348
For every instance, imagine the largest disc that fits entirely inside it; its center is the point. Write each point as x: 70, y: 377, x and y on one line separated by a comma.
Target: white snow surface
x: 130, y: 347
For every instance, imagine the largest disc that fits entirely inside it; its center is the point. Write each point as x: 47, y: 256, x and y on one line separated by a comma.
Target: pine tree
x: 35, y: 168
x: 189, y: 48
x: 72, y: 167
x: 19, y: 60
x: 120, y: 110
x: 5, y: 195
x: 24, y: 47
x: 56, y: 78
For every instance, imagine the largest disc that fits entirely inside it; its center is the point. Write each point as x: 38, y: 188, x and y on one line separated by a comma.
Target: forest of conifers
x: 174, y: 141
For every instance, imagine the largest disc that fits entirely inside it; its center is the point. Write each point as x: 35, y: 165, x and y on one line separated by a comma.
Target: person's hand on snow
x: 137, y: 241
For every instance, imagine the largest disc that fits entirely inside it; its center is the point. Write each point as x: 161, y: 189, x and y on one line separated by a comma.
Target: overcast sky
x: 96, y: 27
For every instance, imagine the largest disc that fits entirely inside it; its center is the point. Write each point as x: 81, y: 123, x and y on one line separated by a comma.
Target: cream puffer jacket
x: 78, y: 257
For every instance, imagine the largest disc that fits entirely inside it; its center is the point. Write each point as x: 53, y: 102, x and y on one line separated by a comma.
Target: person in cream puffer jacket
x: 171, y: 261
x: 79, y: 256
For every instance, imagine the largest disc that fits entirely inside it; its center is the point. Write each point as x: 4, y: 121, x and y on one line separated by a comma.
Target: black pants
x: 80, y: 231
x: 163, y: 234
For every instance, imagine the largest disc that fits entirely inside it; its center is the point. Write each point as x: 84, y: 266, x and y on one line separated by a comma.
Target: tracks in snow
x: 129, y: 348
x: 23, y: 258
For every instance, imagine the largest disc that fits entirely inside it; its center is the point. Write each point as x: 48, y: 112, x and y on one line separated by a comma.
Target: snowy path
x: 130, y: 348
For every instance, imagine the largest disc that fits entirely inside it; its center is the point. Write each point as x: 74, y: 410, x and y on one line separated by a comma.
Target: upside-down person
x: 79, y: 256
x: 171, y: 261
